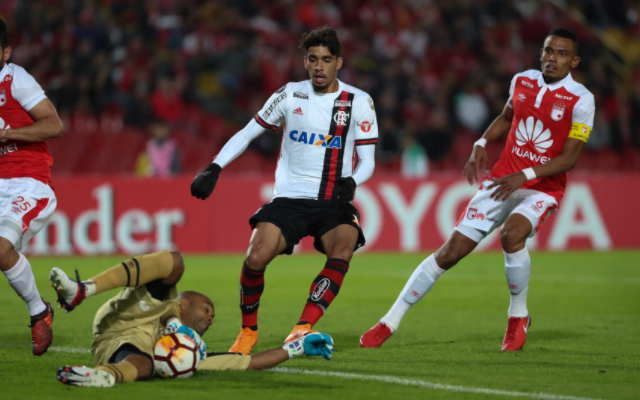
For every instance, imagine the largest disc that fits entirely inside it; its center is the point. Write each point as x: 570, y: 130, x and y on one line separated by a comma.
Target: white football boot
x: 85, y: 376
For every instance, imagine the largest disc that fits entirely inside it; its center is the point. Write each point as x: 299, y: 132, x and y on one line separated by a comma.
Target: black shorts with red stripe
x: 298, y: 218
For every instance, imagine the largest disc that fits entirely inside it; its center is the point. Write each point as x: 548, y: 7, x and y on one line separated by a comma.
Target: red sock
x: 323, y: 290
x: 251, y: 288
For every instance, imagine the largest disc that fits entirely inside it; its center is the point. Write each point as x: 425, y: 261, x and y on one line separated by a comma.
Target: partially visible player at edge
x: 549, y: 117
x: 27, y: 120
x: 128, y: 325
x: 327, y: 122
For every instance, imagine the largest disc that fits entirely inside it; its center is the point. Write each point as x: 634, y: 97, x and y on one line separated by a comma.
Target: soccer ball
x: 176, y: 356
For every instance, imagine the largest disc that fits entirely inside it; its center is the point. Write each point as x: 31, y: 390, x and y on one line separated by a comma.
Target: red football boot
x: 377, y: 335
x: 516, y: 333
x: 41, y: 332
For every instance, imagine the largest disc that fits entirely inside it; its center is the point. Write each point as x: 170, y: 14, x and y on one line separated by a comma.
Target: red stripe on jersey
x: 333, y: 167
x: 264, y: 124
x: 28, y: 217
x: 366, y: 141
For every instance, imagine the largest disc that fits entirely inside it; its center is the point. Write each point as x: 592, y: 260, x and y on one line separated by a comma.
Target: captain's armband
x: 579, y: 131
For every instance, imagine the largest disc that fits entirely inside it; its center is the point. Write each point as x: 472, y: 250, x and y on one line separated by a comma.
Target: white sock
x: 421, y: 281
x: 21, y: 279
x: 518, y: 270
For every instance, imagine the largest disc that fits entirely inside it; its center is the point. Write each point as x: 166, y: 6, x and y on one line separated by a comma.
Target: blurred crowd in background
x: 174, y: 79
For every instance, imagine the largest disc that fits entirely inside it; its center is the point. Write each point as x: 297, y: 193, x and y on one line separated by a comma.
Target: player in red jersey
x: 27, y: 120
x: 549, y: 117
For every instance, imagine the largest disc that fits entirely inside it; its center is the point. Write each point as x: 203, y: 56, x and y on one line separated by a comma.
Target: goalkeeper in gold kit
x: 127, y: 326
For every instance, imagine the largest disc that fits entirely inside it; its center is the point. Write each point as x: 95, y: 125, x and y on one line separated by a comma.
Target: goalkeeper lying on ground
x: 127, y: 326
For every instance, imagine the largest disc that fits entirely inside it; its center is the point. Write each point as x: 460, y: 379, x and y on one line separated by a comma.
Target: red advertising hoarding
x: 105, y: 215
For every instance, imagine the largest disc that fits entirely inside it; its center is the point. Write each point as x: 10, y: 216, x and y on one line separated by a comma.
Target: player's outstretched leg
x: 17, y: 270
x: 418, y: 285
x: 134, y: 272
x: 513, y: 236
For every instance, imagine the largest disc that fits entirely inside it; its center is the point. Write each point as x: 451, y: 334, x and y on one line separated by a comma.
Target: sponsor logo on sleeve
x: 281, y: 89
x: 370, y: 100
x: 365, y: 126
x: 268, y: 111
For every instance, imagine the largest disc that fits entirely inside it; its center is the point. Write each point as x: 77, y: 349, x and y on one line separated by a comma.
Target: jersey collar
x: 555, y: 85
x: 340, y: 88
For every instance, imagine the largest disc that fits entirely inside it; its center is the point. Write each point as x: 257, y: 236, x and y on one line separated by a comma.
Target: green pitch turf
x: 584, y: 340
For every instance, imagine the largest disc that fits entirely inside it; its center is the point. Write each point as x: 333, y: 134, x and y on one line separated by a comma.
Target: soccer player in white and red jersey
x: 549, y: 117
x: 326, y: 123
x: 27, y: 120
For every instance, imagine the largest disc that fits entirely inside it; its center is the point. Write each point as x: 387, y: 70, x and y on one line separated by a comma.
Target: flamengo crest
x: 341, y: 118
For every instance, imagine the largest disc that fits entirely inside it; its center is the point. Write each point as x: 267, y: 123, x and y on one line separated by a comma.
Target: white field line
x: 429, y: 385
x: 377, y: 378
x: 63, y: 349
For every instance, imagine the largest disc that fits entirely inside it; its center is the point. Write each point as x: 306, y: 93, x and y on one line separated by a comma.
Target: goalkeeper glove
x: 174, y: 325
x: 346, y: 189
x: 313, y: 344
x: 204, y: 183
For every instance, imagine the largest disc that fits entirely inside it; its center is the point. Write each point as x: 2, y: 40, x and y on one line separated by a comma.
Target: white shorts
x: 25, y: 207
x: 484, y: 214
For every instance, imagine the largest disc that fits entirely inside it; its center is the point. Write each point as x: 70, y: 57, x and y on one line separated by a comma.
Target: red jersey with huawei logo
x: 19, y: 93
x: 544, y: 116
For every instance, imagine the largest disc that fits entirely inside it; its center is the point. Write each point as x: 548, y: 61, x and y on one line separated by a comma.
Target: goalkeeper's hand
x: 346, y: 189
x: 204, y: 183
x: 313, y: 344
x: 174, y: 325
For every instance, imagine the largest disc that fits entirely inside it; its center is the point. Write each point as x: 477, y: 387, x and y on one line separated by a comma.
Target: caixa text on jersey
x: 316, y: 139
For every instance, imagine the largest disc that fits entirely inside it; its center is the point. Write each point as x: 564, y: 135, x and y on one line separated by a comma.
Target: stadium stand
x: 206, y: 66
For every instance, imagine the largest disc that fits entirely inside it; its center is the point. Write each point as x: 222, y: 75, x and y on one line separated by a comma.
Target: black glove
x: 346, y: 189
x: 205, y: 181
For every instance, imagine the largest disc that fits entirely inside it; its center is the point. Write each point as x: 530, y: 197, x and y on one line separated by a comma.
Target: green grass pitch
x: 584, y: 340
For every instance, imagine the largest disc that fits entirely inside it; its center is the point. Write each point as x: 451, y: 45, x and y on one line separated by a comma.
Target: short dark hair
x: 324, y: 36
x: 4, y: 37
x: 567, y: 34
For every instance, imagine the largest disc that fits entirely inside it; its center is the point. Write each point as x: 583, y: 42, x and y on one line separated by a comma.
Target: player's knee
x: 511, y: 240
x: 447, y: 259
x: 6, y: 254
x: 178, y: 264
x: 342, y: 251
x: 257, y: 261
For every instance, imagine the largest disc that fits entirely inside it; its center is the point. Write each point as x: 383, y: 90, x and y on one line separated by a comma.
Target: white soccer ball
x: 176, y: 356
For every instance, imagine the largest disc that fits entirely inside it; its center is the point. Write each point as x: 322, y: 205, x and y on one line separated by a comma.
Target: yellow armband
x: 579, y: 131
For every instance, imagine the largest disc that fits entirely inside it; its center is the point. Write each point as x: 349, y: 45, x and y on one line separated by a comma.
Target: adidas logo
x: 298, y: 111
